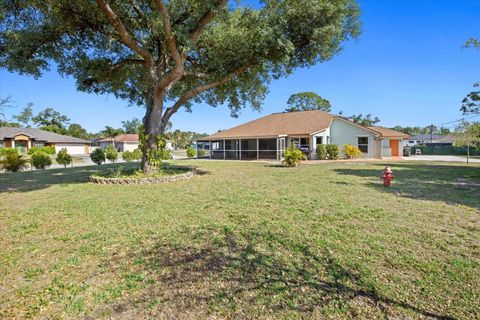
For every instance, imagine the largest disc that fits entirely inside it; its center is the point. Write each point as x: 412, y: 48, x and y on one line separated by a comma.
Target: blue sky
x: 407, y: 68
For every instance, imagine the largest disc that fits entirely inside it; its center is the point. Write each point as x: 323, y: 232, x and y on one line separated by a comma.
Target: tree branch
x: 125, y: 36
x: 193, y: 92
x: 167, y: 28
x: 120, y: 64
x: 204, y: 20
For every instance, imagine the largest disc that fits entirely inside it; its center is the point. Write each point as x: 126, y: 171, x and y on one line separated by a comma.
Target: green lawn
x: 244, y: 240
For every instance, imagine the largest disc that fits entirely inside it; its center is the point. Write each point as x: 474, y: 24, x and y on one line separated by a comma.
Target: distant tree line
x: 51, y: 120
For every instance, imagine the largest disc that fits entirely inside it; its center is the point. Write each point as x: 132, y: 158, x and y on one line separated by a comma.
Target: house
x: 25, y: 138
x: 125, y: 142
x: 431, y: 139
x: 269, y: 136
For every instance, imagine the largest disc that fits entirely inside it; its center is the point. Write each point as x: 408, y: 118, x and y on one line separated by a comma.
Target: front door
x: 280, y: 149
x: 394, y: 147
x: 21, y: 146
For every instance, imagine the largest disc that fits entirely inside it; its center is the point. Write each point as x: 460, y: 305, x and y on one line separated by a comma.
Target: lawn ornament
x: 387, y: 177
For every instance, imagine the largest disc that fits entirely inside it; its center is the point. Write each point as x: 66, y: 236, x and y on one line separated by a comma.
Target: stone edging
x: 163, y: 179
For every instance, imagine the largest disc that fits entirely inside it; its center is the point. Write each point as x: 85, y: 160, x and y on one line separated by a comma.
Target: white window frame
x: 367, y: 144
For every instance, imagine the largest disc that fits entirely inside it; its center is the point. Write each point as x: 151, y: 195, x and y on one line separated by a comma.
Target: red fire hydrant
x: 387, y: 177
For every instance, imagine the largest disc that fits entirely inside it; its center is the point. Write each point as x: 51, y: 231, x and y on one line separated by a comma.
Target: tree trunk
x: 152, y: 127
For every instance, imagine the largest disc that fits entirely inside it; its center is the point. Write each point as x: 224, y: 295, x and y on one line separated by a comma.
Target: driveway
x: 443, y: 158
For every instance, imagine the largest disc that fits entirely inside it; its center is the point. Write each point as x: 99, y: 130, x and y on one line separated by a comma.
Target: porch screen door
x: 280, y: 149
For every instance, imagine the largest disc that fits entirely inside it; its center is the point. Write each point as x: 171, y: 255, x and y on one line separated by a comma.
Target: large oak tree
x: 167, y: 55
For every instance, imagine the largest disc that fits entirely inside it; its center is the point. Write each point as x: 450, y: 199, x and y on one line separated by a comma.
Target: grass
x: 244, y: 240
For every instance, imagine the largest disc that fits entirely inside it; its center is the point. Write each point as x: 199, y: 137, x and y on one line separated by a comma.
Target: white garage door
x: 71, y: 148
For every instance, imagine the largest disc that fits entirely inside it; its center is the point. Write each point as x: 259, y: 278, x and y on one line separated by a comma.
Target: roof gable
x: 38, y: 134
x: 276, y: 124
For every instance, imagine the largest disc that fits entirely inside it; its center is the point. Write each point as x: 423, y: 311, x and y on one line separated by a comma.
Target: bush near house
x: 11, y: 160
x: 332, y: 151
x: 201, y: 153
x: 111, y: 153
x: 128, y: 156
x: 321, y: 152
x: 137, y: 154
x: 63, y: 157
x: 47, y: 150
x: 41, y: 159
x: 351, y: 152
x: 98, y: 156
x: 190, y: 152
x: 293, y: 157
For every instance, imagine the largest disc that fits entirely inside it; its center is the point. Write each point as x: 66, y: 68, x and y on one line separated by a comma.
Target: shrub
x: 201, y: 153
x: 11, y: 160
x: 63, y: 157
x: 137, y: 154
x: 190, y: 152
x: 98, y: 156
x: 351, y: 152
x: 321, y: 152
x: 49, y: 150
x: 293, y: 157
x: 41, y: 159
x: 111, y: 153
x: 127, y: 156
x: 332, y: 151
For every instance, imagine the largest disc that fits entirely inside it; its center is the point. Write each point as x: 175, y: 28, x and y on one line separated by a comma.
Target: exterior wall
x: 342, y: 132
x: 8, y: 143
x: 325, y: 134
x: 104, y: 144
x: 130, y: 146
x: 71, y: 148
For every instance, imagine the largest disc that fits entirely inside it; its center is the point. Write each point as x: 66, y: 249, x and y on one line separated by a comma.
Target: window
x: 386, y: 143
x: 38, y: 144
x: 318, y: 140
x: 304, y: 142
x: 363, y: 144
x: 2, y: 145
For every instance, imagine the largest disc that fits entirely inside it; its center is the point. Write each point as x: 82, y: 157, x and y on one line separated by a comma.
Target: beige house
x: 125, y: 142
x: 25, y: 138
x: 269, y: 136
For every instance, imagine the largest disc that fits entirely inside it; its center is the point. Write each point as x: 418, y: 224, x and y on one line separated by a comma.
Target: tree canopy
x: 366, y: 120
x: 167, y: 55
x: 51, y: 119
x: 471, y: 103
x: 131, y: 126
x: 25, y: 117
x: 304, y: 101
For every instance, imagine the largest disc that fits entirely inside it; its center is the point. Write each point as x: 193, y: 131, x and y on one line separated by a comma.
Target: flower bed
x: 136, y: 176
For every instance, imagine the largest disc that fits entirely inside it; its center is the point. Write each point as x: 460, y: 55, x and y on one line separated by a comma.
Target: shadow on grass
x: 233, y: 279
x: 41, y: 179
x: 452, y: 184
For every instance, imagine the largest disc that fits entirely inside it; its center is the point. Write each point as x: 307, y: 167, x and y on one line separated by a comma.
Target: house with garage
x: 125, y: 142
x: 25, y: 138
x: 269, y: 136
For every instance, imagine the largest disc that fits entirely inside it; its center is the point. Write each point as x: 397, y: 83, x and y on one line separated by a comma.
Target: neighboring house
x: 269, y: 136
x: 125, y: 142
x: 25, y: 138
x: 429, y: 139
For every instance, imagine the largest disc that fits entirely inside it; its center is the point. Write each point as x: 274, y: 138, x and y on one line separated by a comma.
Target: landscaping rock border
x: 162, y: 179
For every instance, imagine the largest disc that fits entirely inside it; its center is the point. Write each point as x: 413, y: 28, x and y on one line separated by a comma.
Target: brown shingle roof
x: 289, y: 123
x: 124, y: 137
x: 389, y: 133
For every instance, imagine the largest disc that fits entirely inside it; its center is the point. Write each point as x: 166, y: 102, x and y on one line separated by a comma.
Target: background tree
x: 183, y: 52
x: 25, y: 117
x: 77, y: 131
x: 51, y: 120
x: 111, y: 132
x: 304, y: 101
x: 4, y: 103
x: 471, y: 103
x: 366, y: 120
x: 131, y: 126
x: 468, y: 135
